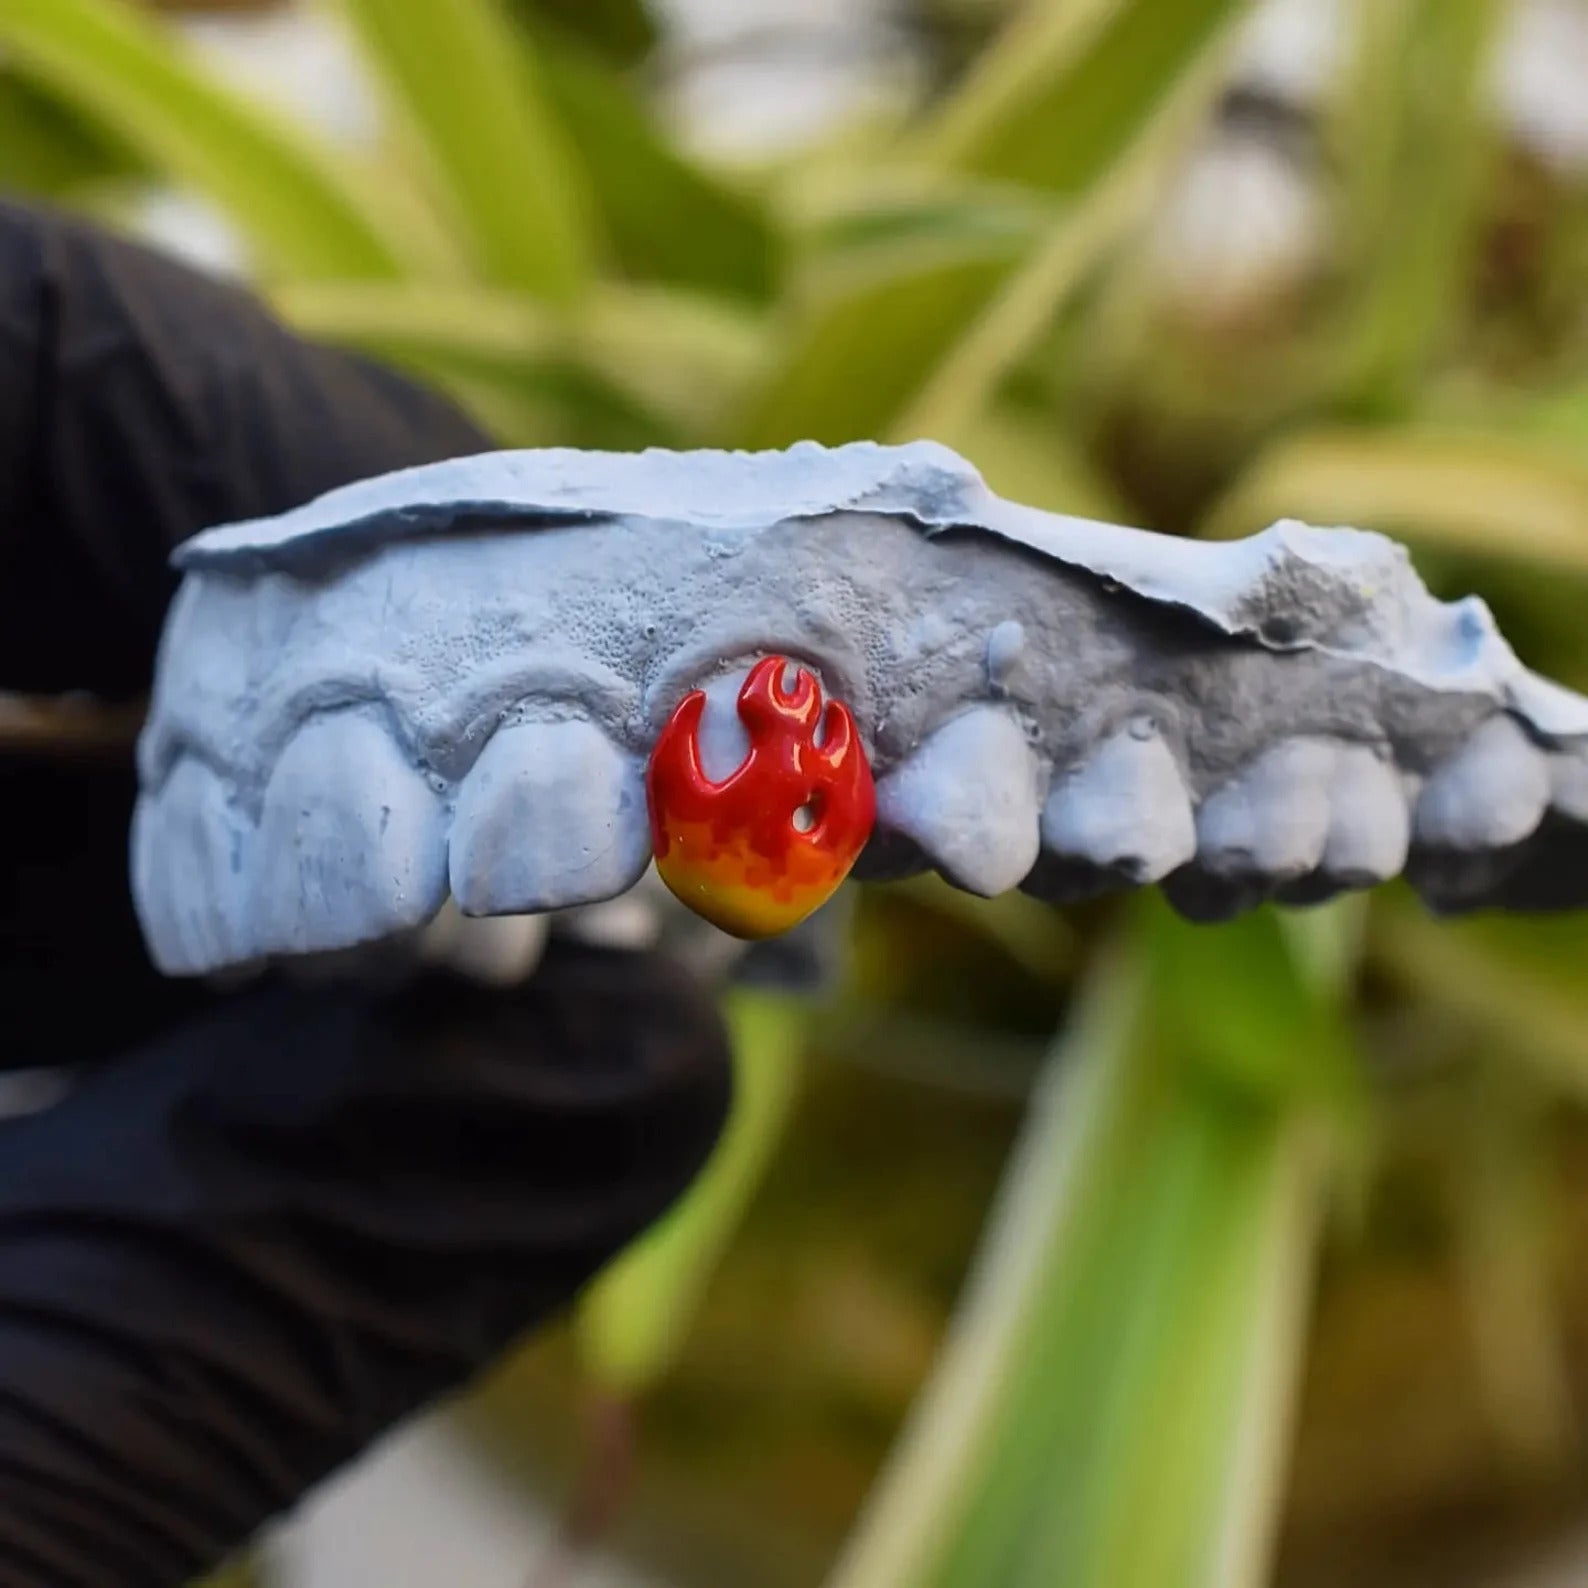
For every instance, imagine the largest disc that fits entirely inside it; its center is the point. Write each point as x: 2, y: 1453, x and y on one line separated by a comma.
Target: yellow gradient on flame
x: 736, y: 907
x: 714, y: 883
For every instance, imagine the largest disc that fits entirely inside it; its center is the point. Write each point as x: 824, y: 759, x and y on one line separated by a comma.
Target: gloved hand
x: 262, y: 1225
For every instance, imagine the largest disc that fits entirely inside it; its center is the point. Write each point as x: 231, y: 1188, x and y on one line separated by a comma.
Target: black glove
x: 265, y: 1225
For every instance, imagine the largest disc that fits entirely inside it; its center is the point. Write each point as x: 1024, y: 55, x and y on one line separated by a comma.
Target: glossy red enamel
x: 757, y: 852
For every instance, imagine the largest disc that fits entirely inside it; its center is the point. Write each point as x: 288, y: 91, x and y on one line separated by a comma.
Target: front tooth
x: 1369, y: 824
x: 968, y: 796
x: 551, y: 815
x: 1272, y: 820
x: 189, y: 872
x: 1489, y: 795
x: 352, y: 841
x: 1126, y: 811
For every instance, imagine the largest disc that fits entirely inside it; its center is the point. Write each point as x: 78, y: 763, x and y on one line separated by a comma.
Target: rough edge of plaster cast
x: 1291, y: 587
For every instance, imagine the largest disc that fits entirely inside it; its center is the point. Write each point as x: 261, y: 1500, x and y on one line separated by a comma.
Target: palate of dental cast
x: 452, y: 682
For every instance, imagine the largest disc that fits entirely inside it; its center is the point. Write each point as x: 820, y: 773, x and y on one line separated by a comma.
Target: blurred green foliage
x: 1232, y: 1112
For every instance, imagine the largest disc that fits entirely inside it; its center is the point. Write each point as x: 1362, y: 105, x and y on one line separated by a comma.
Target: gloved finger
x: 76, y: 985
x: 140, y: 402
x: 231, y: 1260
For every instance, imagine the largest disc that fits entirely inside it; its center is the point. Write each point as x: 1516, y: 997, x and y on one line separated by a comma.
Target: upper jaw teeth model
x: 514, y: 678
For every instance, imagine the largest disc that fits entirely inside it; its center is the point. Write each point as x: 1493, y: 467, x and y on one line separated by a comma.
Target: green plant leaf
x: 1240, y: 1004
x: 506, y: 358
x: 966, y: 376
x: 963, y: 1058
x: 667, y: 219
x: 673, y: 357
x: 1515, y: 984
x: 1488, y: 492
x: 1062, y: 95
x: 620, y: 31
x: 1111, y: 1409
x: 1414, y: 132
x: 1029, y: 933
x: 1562, y: 415
x: 49, y: 147
x: 920, y: 1504
x: 467, y: 87
x: 686, y: 357
x: 461, y: 329
x: 633, y: 1316
x: 1024, y: 454
x: 1181, y: 1435
x: 301, y: 209
x: 914, y: 338
x: 1501, y: 1211
x: 876, y: 328
x: 855, y: 209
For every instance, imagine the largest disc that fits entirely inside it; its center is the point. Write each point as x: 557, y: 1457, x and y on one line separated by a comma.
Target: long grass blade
x: 466, y: 86
x: 301, y: 209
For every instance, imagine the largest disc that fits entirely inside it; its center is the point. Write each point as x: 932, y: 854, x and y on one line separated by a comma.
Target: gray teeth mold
x: 447, y: 681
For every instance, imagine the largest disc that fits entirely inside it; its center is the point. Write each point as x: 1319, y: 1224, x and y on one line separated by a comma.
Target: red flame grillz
x: 758, y: 852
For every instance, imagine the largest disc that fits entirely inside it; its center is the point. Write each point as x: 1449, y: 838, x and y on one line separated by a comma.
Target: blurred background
x: 1074, y: 1248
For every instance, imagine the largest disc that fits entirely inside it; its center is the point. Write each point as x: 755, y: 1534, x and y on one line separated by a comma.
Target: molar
x: 1490, y: 794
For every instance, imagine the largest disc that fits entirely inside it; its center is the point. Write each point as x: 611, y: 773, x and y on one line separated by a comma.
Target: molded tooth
x: 355, y: 840
x: 551, y: 815
x: 1490, y: 794
x: 1272, y: 820
x: 1369, y: 823
x: 154, y: 885
x: 1126, y: 811
x: 190, y: 872
x: 969, y: 797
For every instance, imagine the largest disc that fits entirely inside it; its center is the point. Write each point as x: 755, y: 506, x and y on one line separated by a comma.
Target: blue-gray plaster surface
x: 446, y: 680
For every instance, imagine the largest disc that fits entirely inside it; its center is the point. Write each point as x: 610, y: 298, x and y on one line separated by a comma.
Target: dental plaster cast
x: 479, y: 678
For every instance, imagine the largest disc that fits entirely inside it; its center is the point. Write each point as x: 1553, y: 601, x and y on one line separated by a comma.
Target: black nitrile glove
x: 263, y: 1225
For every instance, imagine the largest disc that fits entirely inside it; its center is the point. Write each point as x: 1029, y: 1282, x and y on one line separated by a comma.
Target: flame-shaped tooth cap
x: 759, y: 851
